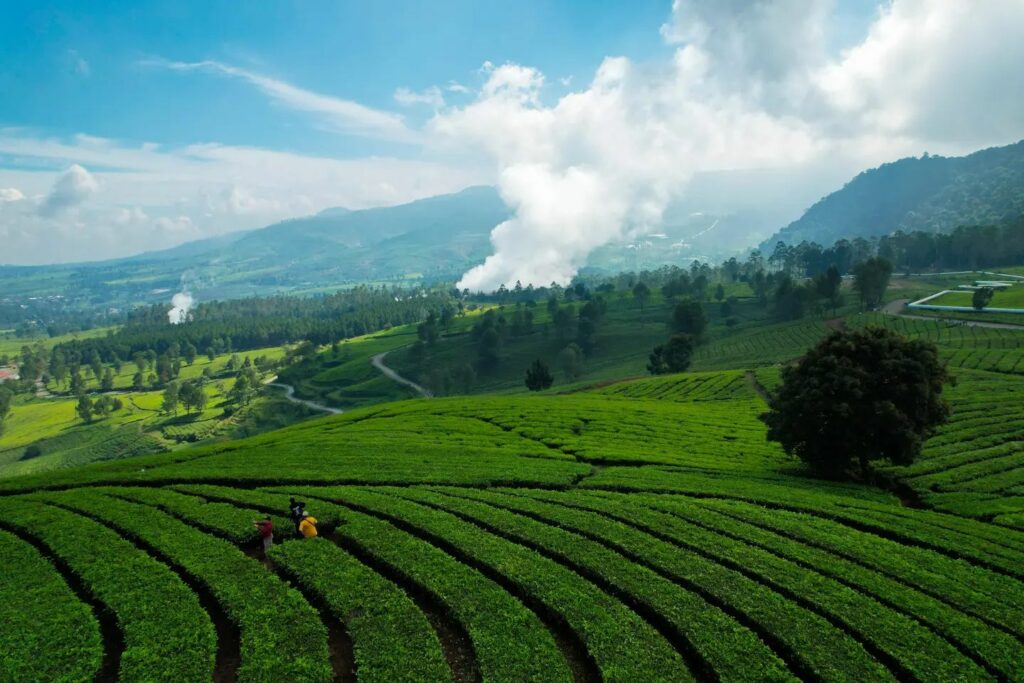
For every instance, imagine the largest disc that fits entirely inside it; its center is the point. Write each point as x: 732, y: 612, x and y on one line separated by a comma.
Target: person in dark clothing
x: 296, y: 510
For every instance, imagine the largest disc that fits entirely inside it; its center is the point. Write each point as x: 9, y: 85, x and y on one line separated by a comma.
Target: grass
x: 10, y: 345
x: 1008, y: 298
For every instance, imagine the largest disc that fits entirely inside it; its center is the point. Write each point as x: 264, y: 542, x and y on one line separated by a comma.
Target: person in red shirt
x: 266, y: 530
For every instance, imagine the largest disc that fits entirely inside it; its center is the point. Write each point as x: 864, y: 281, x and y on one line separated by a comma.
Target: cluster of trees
x: 239, y: 325
x: 687, y: 325
x: 808, y: 259
x: 104, y: 405
x: 965, y: 248
x: 190, y: 395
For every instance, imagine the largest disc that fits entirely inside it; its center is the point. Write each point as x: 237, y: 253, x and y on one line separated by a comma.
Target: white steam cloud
x: 750, y: 85
x: 181, y: 304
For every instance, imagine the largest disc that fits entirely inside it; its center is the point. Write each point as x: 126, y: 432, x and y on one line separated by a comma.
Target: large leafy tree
x: 673, y: 356
x: 871, y: 279
x: 859, y: 396
x: 688, y: 317
x: 982, y: 297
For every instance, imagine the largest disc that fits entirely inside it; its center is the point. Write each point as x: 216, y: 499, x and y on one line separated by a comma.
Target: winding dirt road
x: 378, y: 362
x: 289, y: 393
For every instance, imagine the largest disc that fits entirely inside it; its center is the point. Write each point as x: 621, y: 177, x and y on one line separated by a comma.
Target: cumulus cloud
x: 72, y: 188
x: 343, y: 115
x: 934, y: 69
x: 750, y: 85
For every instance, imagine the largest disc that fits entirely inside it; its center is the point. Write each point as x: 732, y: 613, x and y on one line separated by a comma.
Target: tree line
x: 968, y: 247
x: 238, y: 325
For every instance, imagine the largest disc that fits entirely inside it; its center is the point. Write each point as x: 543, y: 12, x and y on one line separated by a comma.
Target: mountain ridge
x: 929, y: 193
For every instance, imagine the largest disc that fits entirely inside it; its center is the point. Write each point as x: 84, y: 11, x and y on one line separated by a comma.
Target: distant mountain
x: 930, y: 193
x: 434, y: 238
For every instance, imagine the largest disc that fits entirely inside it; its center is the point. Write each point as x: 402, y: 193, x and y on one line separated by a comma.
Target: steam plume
x: 181, y: 303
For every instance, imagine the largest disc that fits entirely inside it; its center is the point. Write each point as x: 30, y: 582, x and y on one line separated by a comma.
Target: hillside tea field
x: 641, y: 531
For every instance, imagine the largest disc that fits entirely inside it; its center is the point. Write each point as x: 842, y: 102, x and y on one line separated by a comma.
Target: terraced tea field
x: 974, y: 466
x: 961, y: 346
x: 641, y: 531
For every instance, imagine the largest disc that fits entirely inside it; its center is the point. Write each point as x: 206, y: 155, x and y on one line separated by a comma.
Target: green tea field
x: 643, y: 530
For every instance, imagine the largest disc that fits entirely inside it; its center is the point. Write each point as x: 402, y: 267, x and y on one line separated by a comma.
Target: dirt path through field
x: 896, y: 307
x: 289, y: 393
x: 378, y: 362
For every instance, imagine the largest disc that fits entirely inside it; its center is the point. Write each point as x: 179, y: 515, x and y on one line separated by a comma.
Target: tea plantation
x: 638, y: 531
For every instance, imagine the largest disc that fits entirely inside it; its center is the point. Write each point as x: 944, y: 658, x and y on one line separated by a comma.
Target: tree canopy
x: 859, y: 396
x: 870, y: 279
x: 538, y: 376
x: 673, y: 356
x: 688, y: 317
x: 982, y: 297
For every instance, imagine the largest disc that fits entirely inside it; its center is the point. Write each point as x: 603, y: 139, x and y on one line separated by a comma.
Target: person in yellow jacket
x: 307, y: 527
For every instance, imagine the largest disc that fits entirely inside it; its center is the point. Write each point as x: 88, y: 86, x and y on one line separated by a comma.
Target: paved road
x: 289, y: 393
x: 895, y: 308
x: 378, y: 362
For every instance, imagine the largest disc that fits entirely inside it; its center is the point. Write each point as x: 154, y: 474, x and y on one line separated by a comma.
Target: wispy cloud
x: 343, y: 115
x: 430, y: 96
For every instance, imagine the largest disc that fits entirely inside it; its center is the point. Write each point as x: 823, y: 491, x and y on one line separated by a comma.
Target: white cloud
x: 10, y: 194
x: 72, y: 188
x: 430, y: 96
x: 343, y: 115
x: 935, y: 69
x: 456, y: 87
x: 159, y: 197
x: 512, y: 81
x: 750, y: 85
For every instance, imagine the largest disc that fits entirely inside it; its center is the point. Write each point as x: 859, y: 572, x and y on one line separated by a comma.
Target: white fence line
x: 921, y: 304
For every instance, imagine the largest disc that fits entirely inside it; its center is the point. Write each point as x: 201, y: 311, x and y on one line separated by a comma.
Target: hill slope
x: 507, y: 538
x: 931, y: 193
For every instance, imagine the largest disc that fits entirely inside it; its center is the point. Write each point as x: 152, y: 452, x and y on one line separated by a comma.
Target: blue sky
x: 131, y: 126
x: 90, y: 57
x: 361, y: 51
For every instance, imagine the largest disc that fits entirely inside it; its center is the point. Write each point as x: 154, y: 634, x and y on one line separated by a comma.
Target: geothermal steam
x: 181, y: 303
x: 749, y: 85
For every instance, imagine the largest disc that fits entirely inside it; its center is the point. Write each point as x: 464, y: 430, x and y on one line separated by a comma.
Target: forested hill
x: 930, y: 193
x: 431, y: 240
